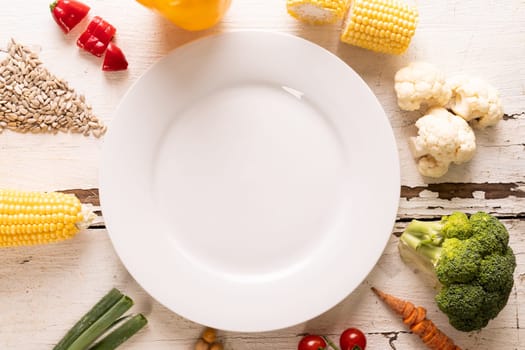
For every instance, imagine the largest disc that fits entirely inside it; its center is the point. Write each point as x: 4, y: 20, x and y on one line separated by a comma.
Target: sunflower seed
x: 32, y: 99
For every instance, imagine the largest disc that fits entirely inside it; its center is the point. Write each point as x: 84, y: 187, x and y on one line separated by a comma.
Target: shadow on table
x: 168, y: 36
x: 365, y: 62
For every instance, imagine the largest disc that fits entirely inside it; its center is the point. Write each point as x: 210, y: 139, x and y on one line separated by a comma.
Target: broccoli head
x: 459, y: 261
x: 464, y: 304
x: 489, y: 232
x: 496, y: 270
x: 471, y: 260
x: 457, y: 226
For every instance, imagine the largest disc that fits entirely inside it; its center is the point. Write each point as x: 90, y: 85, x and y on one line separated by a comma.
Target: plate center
x: 248, y: 180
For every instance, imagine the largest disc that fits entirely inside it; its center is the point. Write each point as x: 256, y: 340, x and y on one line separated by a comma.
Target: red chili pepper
x: 97, y: 36
x: 114, y: 59
x: 68, y: 13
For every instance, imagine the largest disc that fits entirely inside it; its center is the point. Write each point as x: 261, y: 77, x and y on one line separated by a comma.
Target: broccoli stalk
x: 471, y: 261
x: 425, y: 238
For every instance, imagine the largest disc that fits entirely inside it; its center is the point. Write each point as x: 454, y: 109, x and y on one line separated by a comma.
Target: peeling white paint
x: 478, y: 194
x: 428, y: 194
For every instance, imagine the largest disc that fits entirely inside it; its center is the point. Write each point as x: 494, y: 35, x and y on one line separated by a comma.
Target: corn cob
x: 380, y: 25
x: 29, y: 218
x: 317, y: 11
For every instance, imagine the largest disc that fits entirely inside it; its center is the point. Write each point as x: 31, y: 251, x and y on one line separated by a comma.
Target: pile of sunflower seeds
x: 34, y: 100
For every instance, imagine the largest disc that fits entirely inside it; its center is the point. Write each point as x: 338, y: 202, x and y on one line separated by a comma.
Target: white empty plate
x: 249, y: 181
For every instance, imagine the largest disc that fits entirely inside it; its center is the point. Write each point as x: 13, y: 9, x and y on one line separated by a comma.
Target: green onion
x: 89, y: 318
x: 102, y: 324
x: 121, y: 334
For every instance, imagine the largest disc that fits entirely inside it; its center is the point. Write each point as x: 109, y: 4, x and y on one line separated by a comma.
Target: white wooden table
x: 45, y: 289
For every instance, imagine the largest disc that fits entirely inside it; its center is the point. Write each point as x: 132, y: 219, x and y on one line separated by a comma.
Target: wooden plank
x: 505, y: 200
x: 500, y: 199
x: 53, y: 285
x: 47, y: 162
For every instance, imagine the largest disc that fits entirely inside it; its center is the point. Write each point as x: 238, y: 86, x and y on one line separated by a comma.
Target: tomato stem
x: 53, y: 5
x: 331, y: 343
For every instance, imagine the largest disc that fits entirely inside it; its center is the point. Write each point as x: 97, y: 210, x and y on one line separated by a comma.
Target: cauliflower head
x: 421, y: 83
x: 443, y: 138
x: 476, y: 101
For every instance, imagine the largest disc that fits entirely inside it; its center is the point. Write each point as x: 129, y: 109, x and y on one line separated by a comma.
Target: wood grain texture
x: 44, y: 290
x: 52, y: 286
x: 504, y: 200
x: 482, y: 38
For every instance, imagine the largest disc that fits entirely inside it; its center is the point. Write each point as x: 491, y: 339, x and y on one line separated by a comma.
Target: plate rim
x: 396, y: 174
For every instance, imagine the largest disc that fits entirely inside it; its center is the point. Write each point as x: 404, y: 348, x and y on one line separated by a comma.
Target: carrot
x: 416, y: 319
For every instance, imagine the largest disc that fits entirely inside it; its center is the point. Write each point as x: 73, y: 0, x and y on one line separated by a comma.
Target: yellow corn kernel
x: 28, y: 218
x: 317, y: 11
x: 380, y: 25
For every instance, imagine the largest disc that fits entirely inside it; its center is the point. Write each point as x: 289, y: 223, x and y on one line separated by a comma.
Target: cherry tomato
x: 352, y: 339
x: 312, y: 342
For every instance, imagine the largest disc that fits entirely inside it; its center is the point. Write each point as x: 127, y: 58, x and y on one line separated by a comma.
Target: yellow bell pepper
x: 190, y: 14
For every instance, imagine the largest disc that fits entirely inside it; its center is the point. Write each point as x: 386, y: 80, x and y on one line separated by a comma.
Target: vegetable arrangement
x: 96, y: 38
x: 350, y: 339
x: 105, y: 316
x: 379, y: 25
x: 469, y: 257
x: 471, y: 260
x: 415, y: 318
x: 445, y: 137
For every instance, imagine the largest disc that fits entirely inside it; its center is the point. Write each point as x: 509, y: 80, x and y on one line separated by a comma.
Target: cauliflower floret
x: 443, y: 138
x: 476, y: 101
x: 421, y: 83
